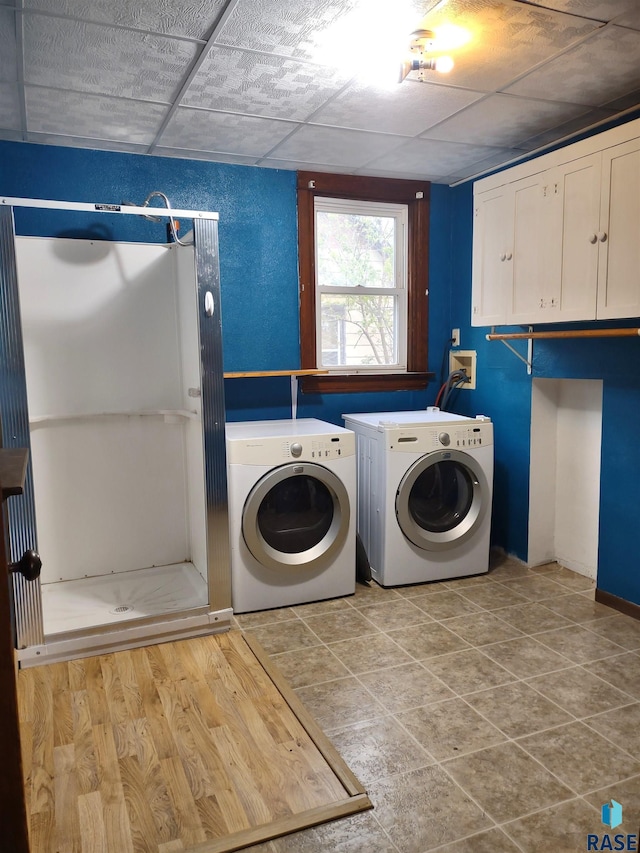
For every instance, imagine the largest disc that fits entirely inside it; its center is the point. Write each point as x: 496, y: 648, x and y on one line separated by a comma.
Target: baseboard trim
x: 621, y: 604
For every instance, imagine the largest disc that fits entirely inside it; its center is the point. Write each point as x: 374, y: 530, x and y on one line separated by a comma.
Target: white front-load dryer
x: 425, y: 486
x: 292, y: 499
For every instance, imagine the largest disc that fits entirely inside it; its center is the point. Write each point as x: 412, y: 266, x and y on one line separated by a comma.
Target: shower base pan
x: 123, y: 610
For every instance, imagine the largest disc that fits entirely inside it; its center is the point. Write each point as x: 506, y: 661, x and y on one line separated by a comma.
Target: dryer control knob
x: 444, y: 438
x: 296, y: 449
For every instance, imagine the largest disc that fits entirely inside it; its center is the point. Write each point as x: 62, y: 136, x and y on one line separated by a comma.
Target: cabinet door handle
x: 593, y: 238
x: 503, y: 257
x: 509, y: 256
x: 602, y: 236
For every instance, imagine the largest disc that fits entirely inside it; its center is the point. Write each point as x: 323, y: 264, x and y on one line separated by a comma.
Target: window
x: 363, y: 248
x: 361, y: 285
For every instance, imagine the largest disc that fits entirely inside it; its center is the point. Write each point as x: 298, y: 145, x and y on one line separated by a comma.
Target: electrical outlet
x: 455, y: 337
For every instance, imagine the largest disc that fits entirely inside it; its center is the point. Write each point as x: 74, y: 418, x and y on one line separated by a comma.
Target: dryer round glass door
x: 296, y: 516
x: 442, y: 500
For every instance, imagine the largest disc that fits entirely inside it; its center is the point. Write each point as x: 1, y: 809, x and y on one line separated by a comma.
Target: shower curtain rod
x: 88, y: 207
x: 577, y: 333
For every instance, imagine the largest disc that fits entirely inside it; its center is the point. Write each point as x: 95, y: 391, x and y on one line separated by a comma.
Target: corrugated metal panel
x: 14, y: 417
x: 213, y: 413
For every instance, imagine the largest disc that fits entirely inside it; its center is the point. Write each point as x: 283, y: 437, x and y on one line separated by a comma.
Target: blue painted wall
x: 258, y: 255
x: 258, y: 268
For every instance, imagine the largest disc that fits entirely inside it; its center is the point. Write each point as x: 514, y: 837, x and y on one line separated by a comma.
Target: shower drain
x: 122, y: 608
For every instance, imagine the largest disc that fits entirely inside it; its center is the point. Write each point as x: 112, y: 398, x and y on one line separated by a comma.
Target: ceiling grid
x: 250, y: 81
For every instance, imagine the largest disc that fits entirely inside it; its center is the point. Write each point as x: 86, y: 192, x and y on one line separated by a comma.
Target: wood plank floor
x: 170, y: 747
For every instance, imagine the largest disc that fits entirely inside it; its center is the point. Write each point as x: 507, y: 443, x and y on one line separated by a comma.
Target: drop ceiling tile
x: 261, y: 84
x: 7, y: 44
x: 603, y: 68
x: 216, y: 157
x: 82, y: 142
x: 92, y: 116
x: 334, y: 147
x: 9, y: 107
x: 601, y: 10
x: 488, y: 164
x: 92, y: 58
x: 224, y: 132
x: 407, y: 109
x: 399, y: 172
x: 567, y: 129
x: 503, y: 120
x: 631, y: 18
x: 190, y: 18
x: 626, y: 102
x: 289, y: 27
x: 321, y: 30
x: 508, y: 38
x: 11, y: 135
x: 426, y: 156
x: 295, y: 165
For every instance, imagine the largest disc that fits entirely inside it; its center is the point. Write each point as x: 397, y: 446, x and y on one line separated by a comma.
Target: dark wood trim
x: 418, y: 282
x: 363, y: 187
x: 336, y: 383
x: 621, y: 604
x: 13, y: 813
x: 416, y: 195
x: 307, y: 267
x: 336, y: 762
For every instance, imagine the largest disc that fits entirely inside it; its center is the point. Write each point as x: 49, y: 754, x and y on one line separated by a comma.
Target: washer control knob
x: 296, y: 449
x: 444, y: 438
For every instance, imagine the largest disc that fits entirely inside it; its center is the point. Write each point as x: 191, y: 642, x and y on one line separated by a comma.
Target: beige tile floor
x: 495, y: 713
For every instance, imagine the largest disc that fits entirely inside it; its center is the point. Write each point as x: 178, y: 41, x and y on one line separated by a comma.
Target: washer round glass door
x: 442, y: 499
x: 297, y: 515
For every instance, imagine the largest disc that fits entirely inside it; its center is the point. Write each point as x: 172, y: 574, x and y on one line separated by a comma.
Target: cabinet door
x: 536, y: 250
x: 492, y: 256
x: 576, y: 185
x: 619, y: 234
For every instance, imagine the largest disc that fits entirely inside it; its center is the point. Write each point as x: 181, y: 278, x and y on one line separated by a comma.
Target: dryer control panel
x: 453, y: 436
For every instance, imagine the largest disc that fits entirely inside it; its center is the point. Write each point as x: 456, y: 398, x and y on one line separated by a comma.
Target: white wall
x: 564, y: 496
x: 103, y: 360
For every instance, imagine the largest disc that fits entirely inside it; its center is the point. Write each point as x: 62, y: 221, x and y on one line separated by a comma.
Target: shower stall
x: 111, y: 373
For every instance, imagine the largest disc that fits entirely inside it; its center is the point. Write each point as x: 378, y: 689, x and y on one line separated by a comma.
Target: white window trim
x: 370, y: 208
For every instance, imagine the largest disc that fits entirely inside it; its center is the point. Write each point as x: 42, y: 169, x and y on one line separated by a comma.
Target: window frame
x: 416, y: 195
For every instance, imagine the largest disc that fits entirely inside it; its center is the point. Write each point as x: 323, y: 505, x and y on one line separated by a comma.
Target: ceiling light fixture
x: 422, y: 42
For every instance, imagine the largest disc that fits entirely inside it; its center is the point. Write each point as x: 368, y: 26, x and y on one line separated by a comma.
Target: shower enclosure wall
x: 122, y: 367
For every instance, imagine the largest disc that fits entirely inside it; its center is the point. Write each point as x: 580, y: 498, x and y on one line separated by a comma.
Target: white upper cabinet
x: 513, y: 225
x: 574, y: 240
x: 557, y: 239
x: 619, y: 233
x: 492, y: 254
x: 535, y: 254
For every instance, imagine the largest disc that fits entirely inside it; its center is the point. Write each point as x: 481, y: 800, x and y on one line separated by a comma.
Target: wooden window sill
x: 338, y: 383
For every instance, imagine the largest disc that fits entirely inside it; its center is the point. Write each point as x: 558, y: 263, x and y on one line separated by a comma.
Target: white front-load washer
x: 292, y: 500
x: 425, y: 486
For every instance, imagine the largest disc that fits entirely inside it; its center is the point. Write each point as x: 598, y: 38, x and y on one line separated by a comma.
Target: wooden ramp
x: 197, y: 745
